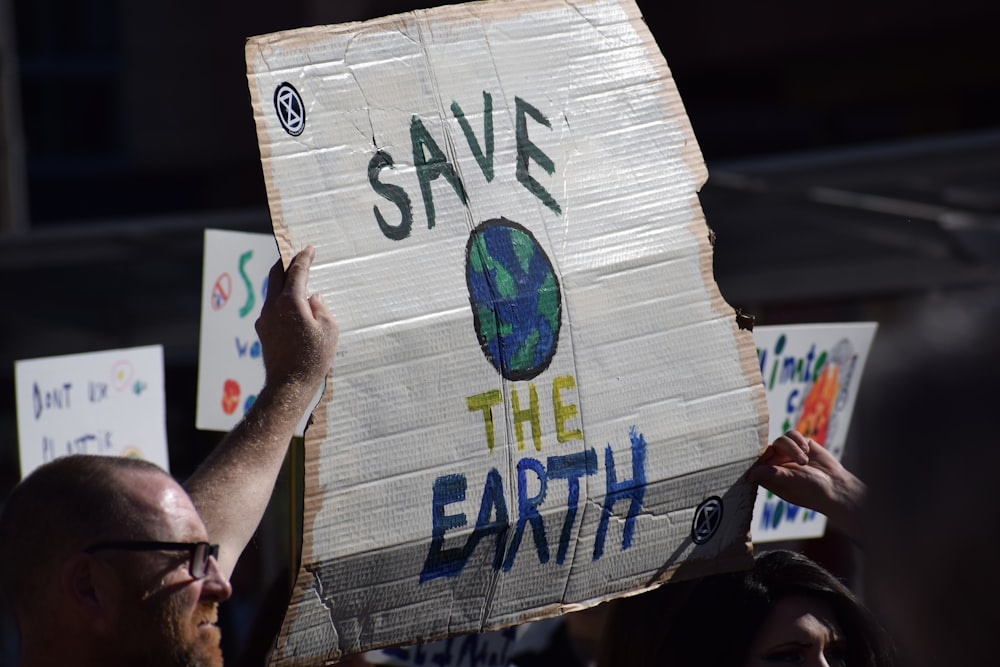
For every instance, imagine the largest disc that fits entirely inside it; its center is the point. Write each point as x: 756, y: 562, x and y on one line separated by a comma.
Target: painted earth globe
x: 515, y: 298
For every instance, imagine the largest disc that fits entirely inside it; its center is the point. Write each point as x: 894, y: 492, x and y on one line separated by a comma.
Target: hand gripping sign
x: 540, y: 399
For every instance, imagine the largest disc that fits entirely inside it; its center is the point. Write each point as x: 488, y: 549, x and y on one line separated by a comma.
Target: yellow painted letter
x: 564, y: 411
x: 484, y: 403
x: 530, y: 415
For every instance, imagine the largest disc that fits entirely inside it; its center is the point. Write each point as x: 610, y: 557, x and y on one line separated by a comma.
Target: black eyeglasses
x: 200, y: 552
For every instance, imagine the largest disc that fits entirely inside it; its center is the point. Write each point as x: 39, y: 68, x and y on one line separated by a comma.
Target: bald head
x: 61, y: 508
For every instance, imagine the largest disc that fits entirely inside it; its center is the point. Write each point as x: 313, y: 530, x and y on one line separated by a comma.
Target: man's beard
x: 160, y: 634
x: 197, y: 645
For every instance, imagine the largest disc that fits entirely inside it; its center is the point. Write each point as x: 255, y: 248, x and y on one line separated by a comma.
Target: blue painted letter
x: 449, y: 489
x: 492, y: 498
x: 527, y: 510
x: 443, y: 562
x: 628, y: 489
x: 571, y: 467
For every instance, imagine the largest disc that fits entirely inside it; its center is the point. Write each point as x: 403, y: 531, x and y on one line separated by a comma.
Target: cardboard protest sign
x: 811, y: 373
x: 233, y: 287
x: 540, y: 399
x: 108, y: 402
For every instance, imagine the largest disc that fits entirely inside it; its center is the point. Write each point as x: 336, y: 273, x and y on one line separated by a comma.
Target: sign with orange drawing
x: 811, y: 373
x: 109, y: 403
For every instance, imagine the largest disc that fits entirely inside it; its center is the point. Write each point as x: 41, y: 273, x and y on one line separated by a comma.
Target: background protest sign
x: 109, y: 403
x: 233, y: 286
x: 811, y: 374
x: 540, y: 399
x: 471, y: 650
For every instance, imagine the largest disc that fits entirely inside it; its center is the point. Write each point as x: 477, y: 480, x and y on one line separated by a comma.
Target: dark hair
x: 58, y: 509
x: 712, y: 622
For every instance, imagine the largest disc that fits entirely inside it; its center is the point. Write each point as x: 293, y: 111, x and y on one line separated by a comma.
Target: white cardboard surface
x: 108, y: 403
x: 811, y: 373
x: 447, y: 492
x: 230, y: 368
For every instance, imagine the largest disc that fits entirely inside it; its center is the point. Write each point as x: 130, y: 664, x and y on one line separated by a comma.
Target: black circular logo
x: 288, y: 105
x: 707, y: 519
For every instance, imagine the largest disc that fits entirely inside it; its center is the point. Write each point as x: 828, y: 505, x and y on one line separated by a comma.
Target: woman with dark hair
x: 786, y: 610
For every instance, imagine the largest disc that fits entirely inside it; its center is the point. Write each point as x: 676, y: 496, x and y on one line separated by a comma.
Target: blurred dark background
x: 853, y: 151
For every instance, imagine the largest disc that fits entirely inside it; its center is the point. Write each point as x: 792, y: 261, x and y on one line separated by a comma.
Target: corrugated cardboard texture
x: 538, y: 383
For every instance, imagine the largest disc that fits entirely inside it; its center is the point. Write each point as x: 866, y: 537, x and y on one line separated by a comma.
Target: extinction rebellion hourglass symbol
x: 291, y: 111
x: 707, y: 519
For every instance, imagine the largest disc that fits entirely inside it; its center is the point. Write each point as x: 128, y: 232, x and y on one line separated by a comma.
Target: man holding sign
x: 108, y: 560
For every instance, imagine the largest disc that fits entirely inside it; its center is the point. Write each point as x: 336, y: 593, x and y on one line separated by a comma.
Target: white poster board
x: 233, y: 287
x: 540, y: 399
x: 811, y: 373
x: 108, y: 402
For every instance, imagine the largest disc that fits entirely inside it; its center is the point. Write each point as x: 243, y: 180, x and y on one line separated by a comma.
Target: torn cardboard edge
x: 747, y: 362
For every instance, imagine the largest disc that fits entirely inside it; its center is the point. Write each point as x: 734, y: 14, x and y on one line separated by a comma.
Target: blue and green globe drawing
x: 515, y: 298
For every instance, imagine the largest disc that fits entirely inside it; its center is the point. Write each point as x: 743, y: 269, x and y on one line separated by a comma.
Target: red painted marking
x: 230, y: 396
x: 121, y: 374
x: 221, y: 292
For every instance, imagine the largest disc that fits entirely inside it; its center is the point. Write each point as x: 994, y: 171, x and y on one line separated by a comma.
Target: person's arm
x: 298, y: 337
x: 803, y: 472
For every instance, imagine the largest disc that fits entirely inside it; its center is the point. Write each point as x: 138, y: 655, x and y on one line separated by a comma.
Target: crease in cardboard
x: 577, y: 525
